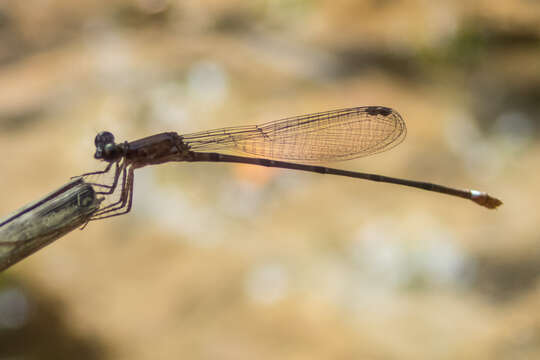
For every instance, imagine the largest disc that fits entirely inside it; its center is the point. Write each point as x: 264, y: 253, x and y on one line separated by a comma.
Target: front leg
x: 95, y: 172
x: 110, y: 188
x: 123, y: 205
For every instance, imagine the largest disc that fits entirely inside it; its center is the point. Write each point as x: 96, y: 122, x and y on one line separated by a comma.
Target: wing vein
x: 326, y: 136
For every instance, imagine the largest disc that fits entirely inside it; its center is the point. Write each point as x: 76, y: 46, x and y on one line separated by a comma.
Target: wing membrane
x: 326, y: 136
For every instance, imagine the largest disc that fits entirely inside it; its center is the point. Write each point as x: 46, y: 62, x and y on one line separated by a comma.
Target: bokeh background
x: 220, y: 261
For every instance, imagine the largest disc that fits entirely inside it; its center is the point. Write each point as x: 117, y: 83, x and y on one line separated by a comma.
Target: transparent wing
x: 326, y: 136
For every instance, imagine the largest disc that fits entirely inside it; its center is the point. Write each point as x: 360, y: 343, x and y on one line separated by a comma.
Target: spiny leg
x: 95, y: 172
x: 112, y: 206
x: 126, y: 199
x: 111, y: 188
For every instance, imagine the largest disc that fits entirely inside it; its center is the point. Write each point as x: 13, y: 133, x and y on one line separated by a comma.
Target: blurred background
x: 222, y: 261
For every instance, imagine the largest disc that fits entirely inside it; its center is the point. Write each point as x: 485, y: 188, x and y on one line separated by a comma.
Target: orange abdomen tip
x: 482, y: 198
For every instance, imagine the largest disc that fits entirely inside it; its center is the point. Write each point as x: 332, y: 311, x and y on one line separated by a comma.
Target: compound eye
x: 104, y: 138
x: 109, y: 149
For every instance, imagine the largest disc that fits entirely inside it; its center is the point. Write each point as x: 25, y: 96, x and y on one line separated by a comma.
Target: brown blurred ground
x: 236, y: 262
